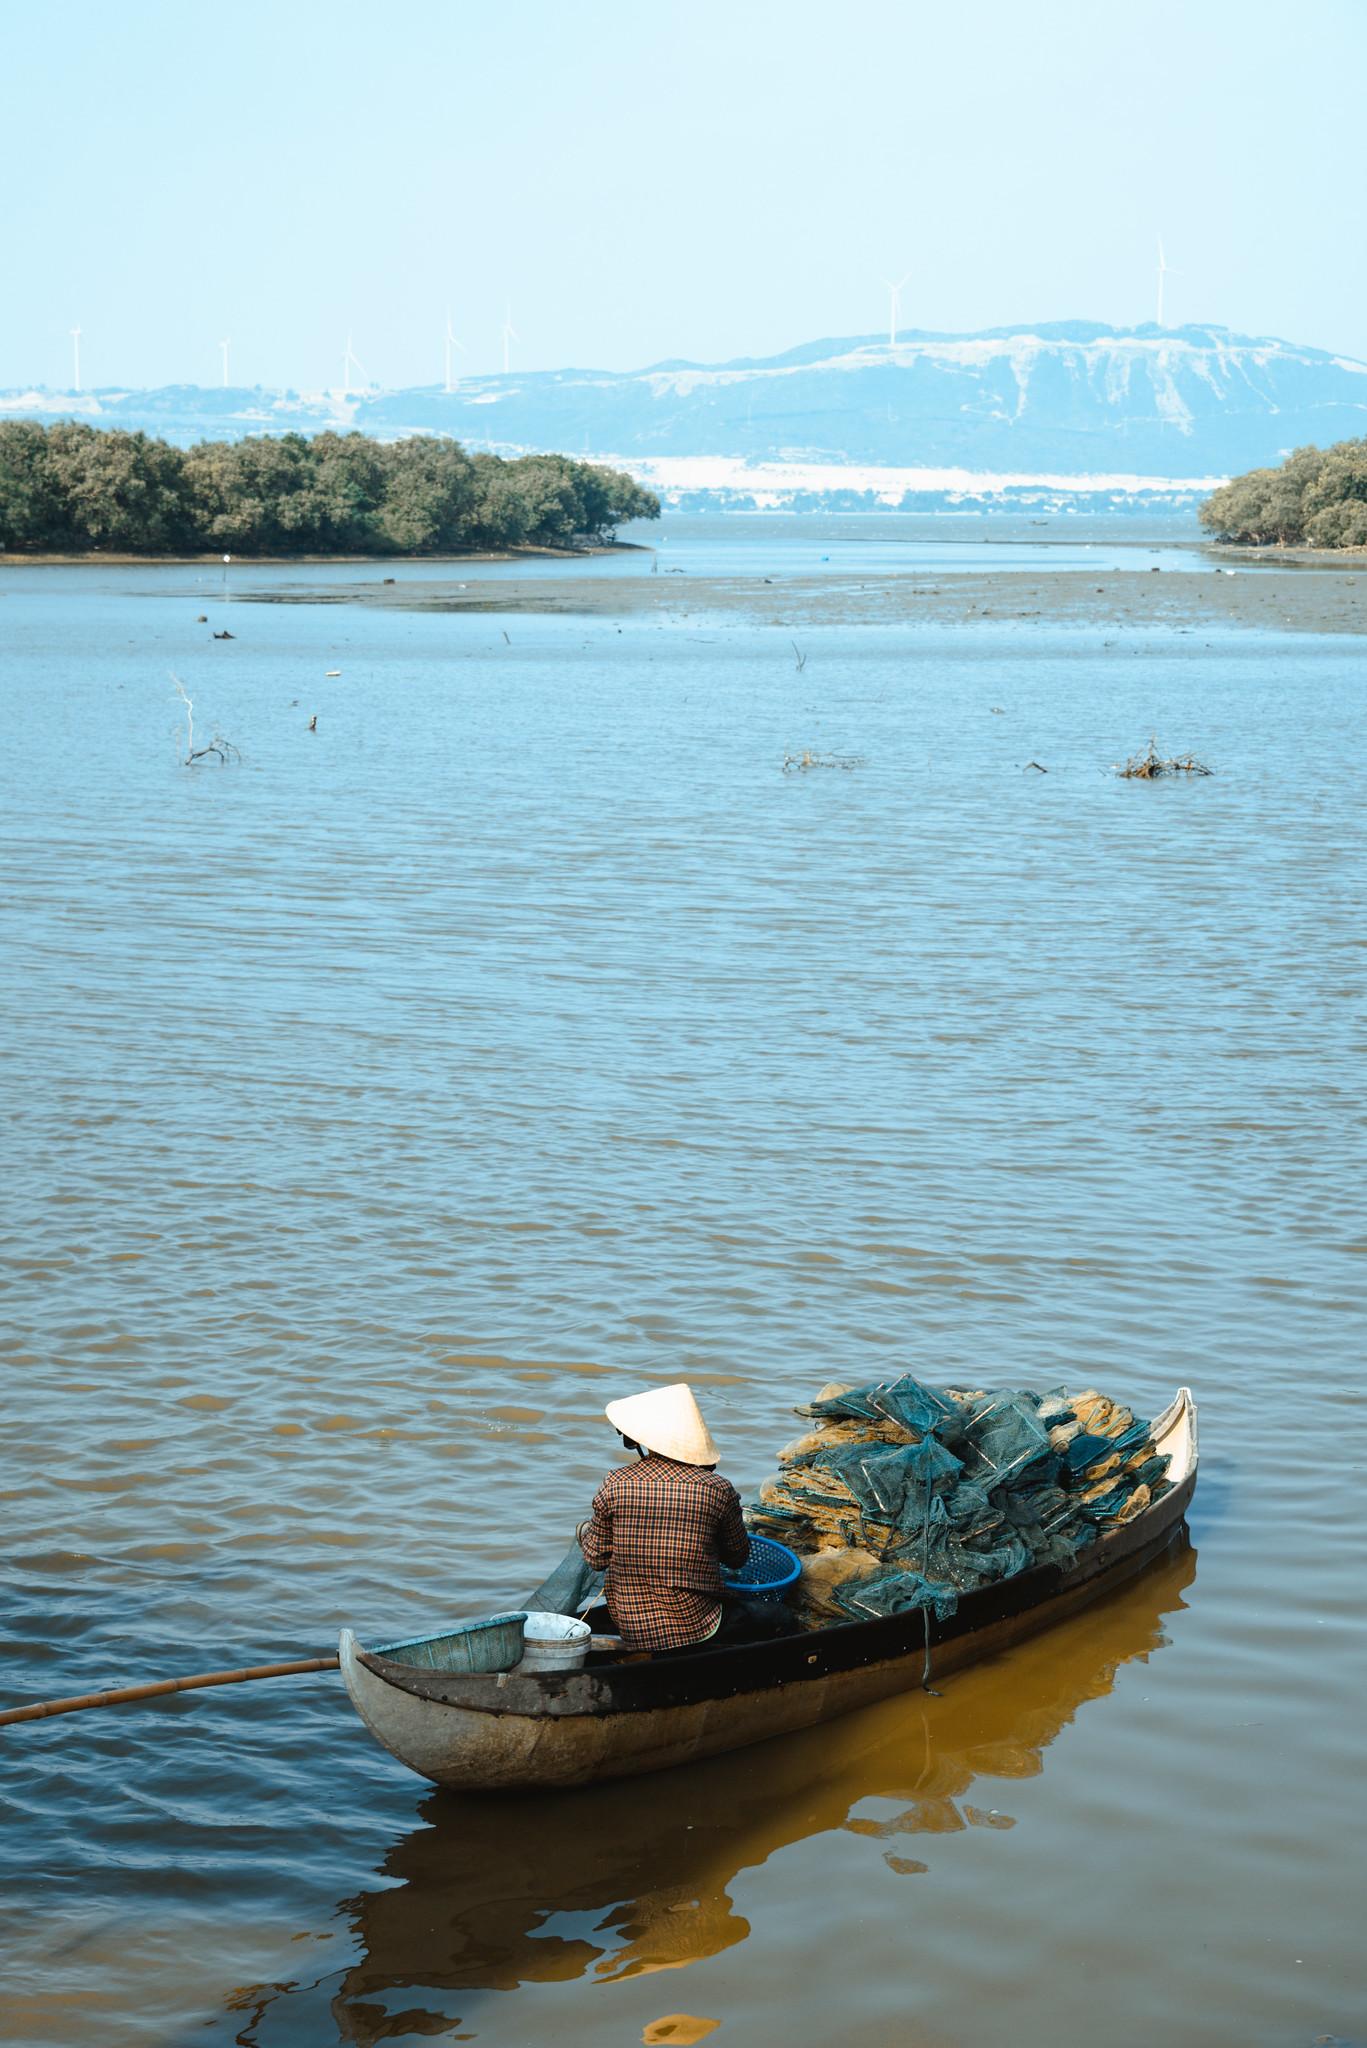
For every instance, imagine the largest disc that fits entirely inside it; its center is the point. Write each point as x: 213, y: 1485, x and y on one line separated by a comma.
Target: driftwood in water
x: 1148, y: 767
x: 222, y: 750
x: 798, y: 764
x: 44, y: 1710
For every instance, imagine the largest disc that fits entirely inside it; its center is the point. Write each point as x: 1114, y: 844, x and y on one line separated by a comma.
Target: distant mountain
x: 1118, y: 410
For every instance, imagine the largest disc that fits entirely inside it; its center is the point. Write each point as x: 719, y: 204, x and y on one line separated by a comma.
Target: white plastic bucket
x: 553, y: 1642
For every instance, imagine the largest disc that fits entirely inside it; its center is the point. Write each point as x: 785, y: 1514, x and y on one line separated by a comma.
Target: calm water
x: 379, y: 1107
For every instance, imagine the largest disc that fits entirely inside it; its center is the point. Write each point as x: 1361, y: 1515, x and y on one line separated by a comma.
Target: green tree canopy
x: 1317, y: 498
x: 74, y: 487
x: 429, y: 496
x: 119, y: 490
x: 33, y: 510
x: 254, y: 495
x: 1335, y: 499
x: 348, y: 489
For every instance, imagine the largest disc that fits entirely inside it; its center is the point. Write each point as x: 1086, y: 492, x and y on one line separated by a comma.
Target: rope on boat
x: 926, y: 1685
x: 44, y: 1710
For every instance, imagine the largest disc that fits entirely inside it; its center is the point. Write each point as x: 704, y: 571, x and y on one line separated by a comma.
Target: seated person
x: 663, y: 1527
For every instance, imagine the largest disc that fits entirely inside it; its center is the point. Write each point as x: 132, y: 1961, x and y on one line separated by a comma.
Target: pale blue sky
x: 700, y: 180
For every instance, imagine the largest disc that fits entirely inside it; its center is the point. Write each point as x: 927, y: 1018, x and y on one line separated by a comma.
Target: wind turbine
x: 894, y: 293
x: 349, y: 360
x: 510, y: 333
x: 894, y: 297
x: 1162, y: 273
x: 450, y: 343
x: 225, y: 346
x: 76, y: 349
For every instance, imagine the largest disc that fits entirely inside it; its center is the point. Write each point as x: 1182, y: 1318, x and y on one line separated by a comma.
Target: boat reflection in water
x: 631, y: 1877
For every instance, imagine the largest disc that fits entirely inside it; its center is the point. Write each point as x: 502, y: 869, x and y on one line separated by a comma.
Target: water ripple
x: 379, y: 1109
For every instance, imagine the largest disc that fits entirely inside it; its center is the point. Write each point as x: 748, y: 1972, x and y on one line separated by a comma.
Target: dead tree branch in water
x: 801, y: 657
x: 221, y: 750
x: 798, y: 764
x: 1150, y: 766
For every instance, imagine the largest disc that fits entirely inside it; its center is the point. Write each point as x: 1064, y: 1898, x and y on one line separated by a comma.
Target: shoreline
x: 98, y: 558
x: 1270, y: 551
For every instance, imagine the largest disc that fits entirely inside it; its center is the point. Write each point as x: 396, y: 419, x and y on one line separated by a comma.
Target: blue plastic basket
x: 769, y: 1572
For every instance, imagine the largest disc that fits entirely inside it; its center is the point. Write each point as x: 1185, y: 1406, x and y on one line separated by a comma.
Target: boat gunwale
x: 802, y: 1656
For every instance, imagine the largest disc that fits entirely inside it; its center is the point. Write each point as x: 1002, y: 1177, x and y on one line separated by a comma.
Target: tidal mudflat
x: 798, y: 571
x: 1296, y: 600
x: 383, y: 1103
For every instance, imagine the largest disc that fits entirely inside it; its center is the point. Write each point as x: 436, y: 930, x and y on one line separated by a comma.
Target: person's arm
x: 733, y: 1538
x: 595, y: 1535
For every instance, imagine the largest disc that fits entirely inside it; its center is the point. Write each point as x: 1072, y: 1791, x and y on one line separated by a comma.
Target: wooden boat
x: 492, y: 1731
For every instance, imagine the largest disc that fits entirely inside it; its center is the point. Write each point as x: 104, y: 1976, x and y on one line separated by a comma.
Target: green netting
x: 904, y: 1401
x: 896, y: 1593
x: 892, y: 1483
x: 570, y: 1587
x: 911, y: 1496
x: 1084, y: 1451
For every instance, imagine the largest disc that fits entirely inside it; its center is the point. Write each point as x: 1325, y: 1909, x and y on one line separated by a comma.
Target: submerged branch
x: 798, y: 764
x: 1150, y: 766
x: 222, y: 750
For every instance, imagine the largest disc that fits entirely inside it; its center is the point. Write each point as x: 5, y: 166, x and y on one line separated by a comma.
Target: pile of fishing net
x: 907, y: 1496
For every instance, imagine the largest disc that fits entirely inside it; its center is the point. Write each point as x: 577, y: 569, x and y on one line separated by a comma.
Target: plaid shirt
x: 661, y: 1531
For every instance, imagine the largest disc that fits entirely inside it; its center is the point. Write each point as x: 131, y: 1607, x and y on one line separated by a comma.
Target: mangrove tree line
x: 1318, y: 498
x: 72, y: 488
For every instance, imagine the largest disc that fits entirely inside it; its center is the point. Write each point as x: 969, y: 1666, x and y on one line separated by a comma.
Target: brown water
x: 381, y: 1106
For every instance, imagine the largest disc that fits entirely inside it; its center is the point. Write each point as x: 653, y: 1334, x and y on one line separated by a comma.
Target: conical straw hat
x: 667, y: 1420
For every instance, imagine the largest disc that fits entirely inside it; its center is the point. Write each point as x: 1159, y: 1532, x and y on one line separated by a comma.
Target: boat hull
x: 498, y: 1732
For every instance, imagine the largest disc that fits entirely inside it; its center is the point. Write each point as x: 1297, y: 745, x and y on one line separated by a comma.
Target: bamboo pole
x: 44, y: 1710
